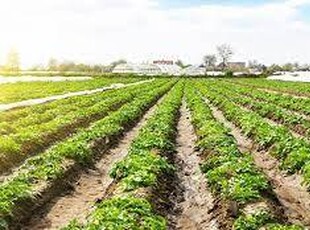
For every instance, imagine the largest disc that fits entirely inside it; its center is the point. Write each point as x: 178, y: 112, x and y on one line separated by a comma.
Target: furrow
x: 89, y: 189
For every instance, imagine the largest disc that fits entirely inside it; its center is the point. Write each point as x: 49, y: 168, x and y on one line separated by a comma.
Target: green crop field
x: 167, y: 153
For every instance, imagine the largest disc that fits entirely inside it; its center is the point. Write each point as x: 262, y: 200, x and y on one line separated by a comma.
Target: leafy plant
x: 124, y: 212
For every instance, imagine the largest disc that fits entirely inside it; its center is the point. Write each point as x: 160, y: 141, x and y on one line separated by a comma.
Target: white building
x: 149, y: 69
x: 194, y: 71
x: 142, y: 69
x: 215, y: 73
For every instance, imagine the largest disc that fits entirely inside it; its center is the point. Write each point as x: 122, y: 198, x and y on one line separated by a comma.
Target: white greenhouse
x: 147, y: 69
x: 174, y: 70
x: 194, y: 71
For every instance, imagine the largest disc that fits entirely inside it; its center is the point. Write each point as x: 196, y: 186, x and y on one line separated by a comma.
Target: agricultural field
x: 214, y: 154
x: 13, y: 92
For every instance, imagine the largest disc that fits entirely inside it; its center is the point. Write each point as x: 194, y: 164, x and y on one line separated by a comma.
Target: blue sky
x: 304, y: 10
x: 183, y: 3
x: 304, y: 13
x: 101, y: 31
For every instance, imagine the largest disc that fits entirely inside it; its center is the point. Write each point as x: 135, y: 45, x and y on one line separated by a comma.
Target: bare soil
x: 195, y: 202
x: 288, y: 189
x: 89, y: 189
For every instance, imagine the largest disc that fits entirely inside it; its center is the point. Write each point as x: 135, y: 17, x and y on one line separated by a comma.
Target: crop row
x: 146, y: 161
x: 296, y: 122
x: 38, y: 173
x: 35, y: 132
x: 296, y: 88
x: 301, y: 105
x: 13, y: 92
x: 230, y: 173
x: 292, y: 152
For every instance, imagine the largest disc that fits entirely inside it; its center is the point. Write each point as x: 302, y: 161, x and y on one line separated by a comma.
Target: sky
x: 101, y: 31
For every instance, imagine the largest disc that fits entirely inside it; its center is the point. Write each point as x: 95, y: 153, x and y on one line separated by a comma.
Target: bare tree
x: 209, y: 61
x: 225, y: 52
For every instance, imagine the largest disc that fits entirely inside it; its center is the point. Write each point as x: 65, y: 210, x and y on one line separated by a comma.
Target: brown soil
x: 195, y: 202
x: 89, y: 189
x: 294, y: 197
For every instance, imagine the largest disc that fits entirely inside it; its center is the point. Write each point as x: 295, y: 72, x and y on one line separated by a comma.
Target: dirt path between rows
x: 196, y: 202
x: 292, y: 195
x: 5, y: 107
x: 91, y: 187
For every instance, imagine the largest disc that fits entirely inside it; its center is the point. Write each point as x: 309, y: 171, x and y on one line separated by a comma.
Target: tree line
x: 211, y: 61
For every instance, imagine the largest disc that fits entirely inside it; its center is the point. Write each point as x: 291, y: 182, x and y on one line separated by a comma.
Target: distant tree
x: 288, y: 67
x: 264, y: 68
x: 115, y: 63
x: 37, y: 67
x: 99, y: 68
x: 12, y: 61
x: 254, y: 64
x: 304, y: 67
x: 52, y: 64
x: 296, y: 66
x: 273, y: 68
x: 181, y: 64
x: 210, y: 61
x: 225, y: 53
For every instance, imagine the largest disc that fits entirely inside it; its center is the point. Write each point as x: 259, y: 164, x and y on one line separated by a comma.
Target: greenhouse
x: 148, y: 69
x: 194, y: 71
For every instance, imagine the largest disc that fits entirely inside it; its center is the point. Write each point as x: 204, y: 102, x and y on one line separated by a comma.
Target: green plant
x: 125, y: 212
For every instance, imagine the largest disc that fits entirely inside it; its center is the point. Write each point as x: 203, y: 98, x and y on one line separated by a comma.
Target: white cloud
x: 103, y: 30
